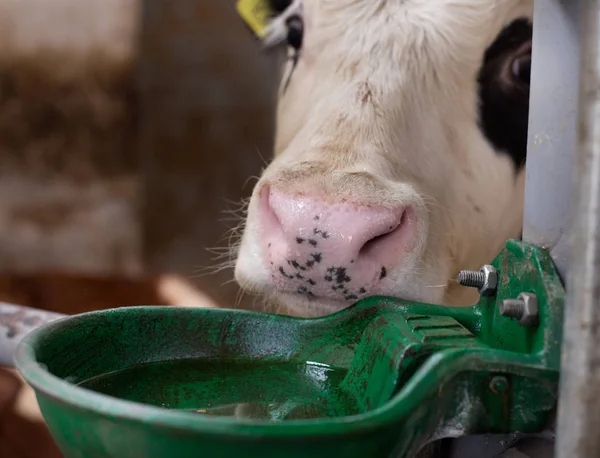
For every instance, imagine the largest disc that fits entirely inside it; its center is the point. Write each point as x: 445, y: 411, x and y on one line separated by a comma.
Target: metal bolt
x: 499, y: 384
x: 524, y: 308
x: 485, y: 280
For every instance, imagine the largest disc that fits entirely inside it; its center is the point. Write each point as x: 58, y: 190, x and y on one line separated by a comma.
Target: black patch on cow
x: 337, y: 275
x: 504, y: 97
x: 324, y: 234
x: 279, y: 6
x: 383, y: 273
x: 285, y: 274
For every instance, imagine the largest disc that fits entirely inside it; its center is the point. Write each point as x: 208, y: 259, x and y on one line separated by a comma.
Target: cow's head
x: 399, y: 153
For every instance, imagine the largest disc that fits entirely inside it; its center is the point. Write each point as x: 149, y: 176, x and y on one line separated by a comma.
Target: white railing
x: 578, y: 434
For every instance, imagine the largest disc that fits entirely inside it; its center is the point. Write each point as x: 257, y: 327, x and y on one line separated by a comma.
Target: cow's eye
x: 286, y: 27
x: 521, y: 64
x: 295, y: 31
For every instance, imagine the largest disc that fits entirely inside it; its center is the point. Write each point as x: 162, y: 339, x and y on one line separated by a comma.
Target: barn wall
x: 207, y: 117
x: 125, y: 130
x: 69, y: 182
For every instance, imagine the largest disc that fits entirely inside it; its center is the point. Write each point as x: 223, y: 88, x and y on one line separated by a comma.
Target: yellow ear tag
x: 256, y: 14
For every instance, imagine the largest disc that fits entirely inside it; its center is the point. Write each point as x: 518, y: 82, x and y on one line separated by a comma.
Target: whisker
x: 238, y: 298
x: 261, y: 156
x: 253, y: 177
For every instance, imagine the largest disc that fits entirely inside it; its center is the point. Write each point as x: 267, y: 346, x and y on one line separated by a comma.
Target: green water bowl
x: 378, y: 379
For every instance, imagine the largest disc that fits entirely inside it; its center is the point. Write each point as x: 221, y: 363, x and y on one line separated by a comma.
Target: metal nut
x: 490, y: 284
x: 486, y: 280
x: 524, y: 308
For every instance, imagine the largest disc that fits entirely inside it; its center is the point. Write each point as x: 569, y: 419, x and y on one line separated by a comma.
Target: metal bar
x: 15, y: 323
x: 579, y: 401
x: 552, y: 126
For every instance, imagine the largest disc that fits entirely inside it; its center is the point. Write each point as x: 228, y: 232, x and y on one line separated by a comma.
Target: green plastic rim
x: 443, y: 366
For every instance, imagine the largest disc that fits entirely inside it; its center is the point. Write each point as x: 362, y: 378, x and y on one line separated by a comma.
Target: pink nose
x: 334, y: 250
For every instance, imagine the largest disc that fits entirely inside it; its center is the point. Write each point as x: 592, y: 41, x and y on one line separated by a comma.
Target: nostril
x: 374, y: 246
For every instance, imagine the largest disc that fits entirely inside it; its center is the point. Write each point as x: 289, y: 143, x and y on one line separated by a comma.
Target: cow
x: 399, y: 154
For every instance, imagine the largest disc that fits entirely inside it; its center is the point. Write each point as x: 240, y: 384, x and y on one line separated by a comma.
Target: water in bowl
x: 272, y: 411
x: 258, y: 389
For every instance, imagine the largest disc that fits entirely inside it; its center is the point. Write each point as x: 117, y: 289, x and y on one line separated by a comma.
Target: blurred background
x: 128, y: 130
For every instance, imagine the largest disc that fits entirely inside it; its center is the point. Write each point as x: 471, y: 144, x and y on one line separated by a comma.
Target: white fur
x: 388, y: 88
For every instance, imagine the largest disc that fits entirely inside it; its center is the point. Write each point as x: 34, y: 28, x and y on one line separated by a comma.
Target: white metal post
x: 579, y: 403
x: 552, y: 130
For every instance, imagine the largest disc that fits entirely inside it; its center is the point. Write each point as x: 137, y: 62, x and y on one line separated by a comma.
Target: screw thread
x: 512, y: 307
x: 471, y: 278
